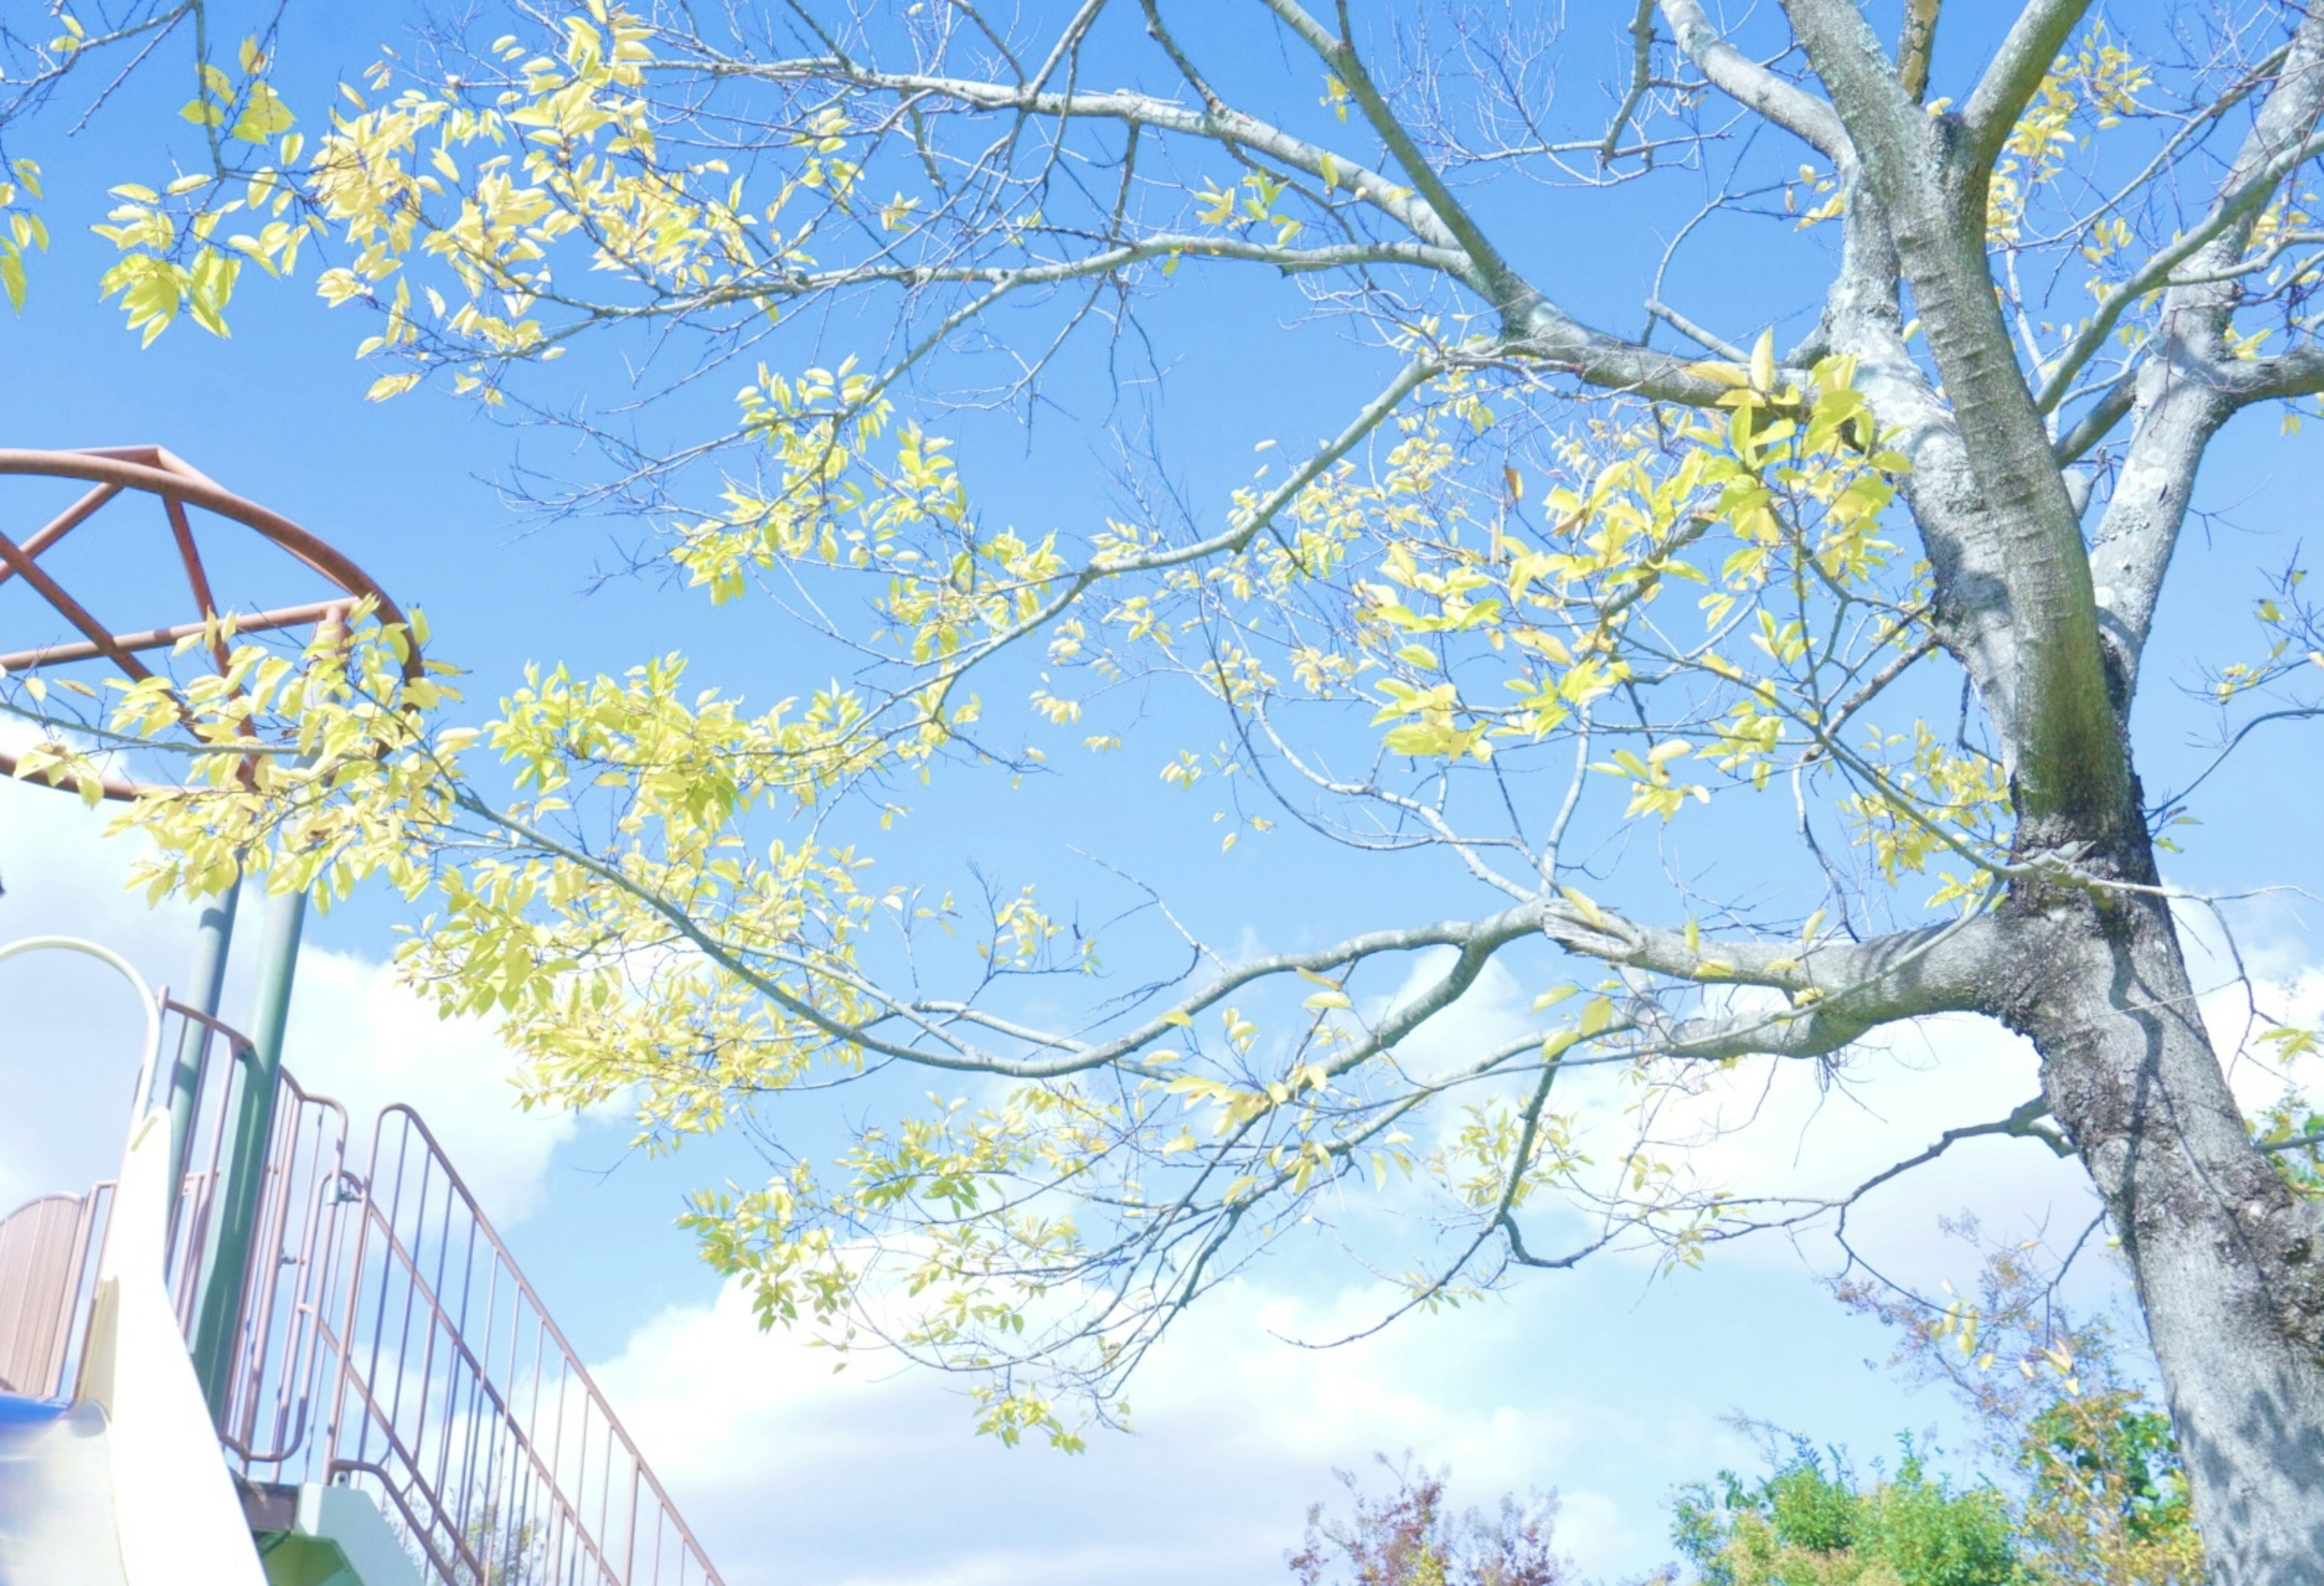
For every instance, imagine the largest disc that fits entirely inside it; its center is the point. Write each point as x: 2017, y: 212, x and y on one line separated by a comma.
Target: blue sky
x: 1608, y: 1384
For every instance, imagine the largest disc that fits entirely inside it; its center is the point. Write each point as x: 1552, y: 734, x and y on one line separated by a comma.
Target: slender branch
x: 2231, y: 208
x: 1696, y: 332
x: 2099, y: 421
x: 2022, y: 1123
x: 1231, y: 128
x: 1642, y: 60
x: 1340, y: 54
x: 1536, y: 327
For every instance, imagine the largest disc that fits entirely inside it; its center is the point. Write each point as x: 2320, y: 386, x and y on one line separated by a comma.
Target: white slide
x: 56, y: 1520
x: 126, y: 1484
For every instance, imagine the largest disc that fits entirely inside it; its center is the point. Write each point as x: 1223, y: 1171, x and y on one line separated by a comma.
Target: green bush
x: 1807, y: 1524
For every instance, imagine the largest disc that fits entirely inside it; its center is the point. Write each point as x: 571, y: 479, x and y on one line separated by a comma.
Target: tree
x: 1804, y: 1525
x: 1409, y: 1539
x: 2082, y: 1482
x: 1886, y: 592
x: 2099, y: 1494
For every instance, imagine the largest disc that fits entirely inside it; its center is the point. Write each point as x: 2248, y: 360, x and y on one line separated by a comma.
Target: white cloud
x: 792, y: 1471
x: 360, y: 1037
x: 1610, y: 1389
x: 70, y: 1030
x: 1495, y: 1011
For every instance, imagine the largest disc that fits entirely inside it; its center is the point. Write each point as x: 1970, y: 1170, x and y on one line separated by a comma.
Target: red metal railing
x: 463, y: 1406
x: 386, y: 1340
x: 284, y: 1342
x: 48, y: 1274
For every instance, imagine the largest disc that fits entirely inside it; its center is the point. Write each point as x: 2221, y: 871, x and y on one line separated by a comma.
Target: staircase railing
x: 464, y: 1403
x: 387, y: 1340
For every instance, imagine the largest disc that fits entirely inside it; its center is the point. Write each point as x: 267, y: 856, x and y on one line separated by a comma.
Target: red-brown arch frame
x: 116, y: 471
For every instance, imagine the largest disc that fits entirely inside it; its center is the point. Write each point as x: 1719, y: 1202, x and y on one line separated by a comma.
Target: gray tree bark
x: 2225, y: 1256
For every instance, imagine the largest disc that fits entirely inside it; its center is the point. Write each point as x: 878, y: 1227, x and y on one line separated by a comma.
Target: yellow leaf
x: 1584, y: 905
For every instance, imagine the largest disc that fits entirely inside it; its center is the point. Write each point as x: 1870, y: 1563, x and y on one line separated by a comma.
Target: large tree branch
x: 2186, y: 386
x: 2068, y: 761
x: 1842, y: 991
x: 1915, y: 46
x: 2295, y: 374
x: 1966, y: 551
x: 1837, y: 990
x: 2013, y: 77
x: 2179, y: 409
x: 1753, y: 86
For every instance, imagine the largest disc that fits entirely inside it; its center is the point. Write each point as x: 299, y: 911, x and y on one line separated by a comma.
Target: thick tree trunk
x: 2225, y: 1256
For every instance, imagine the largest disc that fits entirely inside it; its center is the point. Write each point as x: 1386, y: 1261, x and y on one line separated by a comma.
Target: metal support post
x: 179, y: 1082
x: 217, y: 1307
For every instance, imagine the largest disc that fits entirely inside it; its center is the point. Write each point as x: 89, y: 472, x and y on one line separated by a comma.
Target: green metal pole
x: 180, y: 1083
x: 217, y: 1307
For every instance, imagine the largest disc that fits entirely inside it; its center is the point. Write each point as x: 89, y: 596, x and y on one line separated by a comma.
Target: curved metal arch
x: 119, y: 966
x: 156, y: 473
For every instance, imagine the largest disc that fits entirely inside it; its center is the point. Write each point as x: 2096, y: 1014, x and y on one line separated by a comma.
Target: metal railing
x: 464, y: 1406
x: 386, y: 1340
x: 48, y: 1280
x: 284, y: 1342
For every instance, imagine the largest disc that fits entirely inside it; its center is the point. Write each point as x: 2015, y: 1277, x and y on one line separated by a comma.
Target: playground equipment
x: 257, y: 1355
